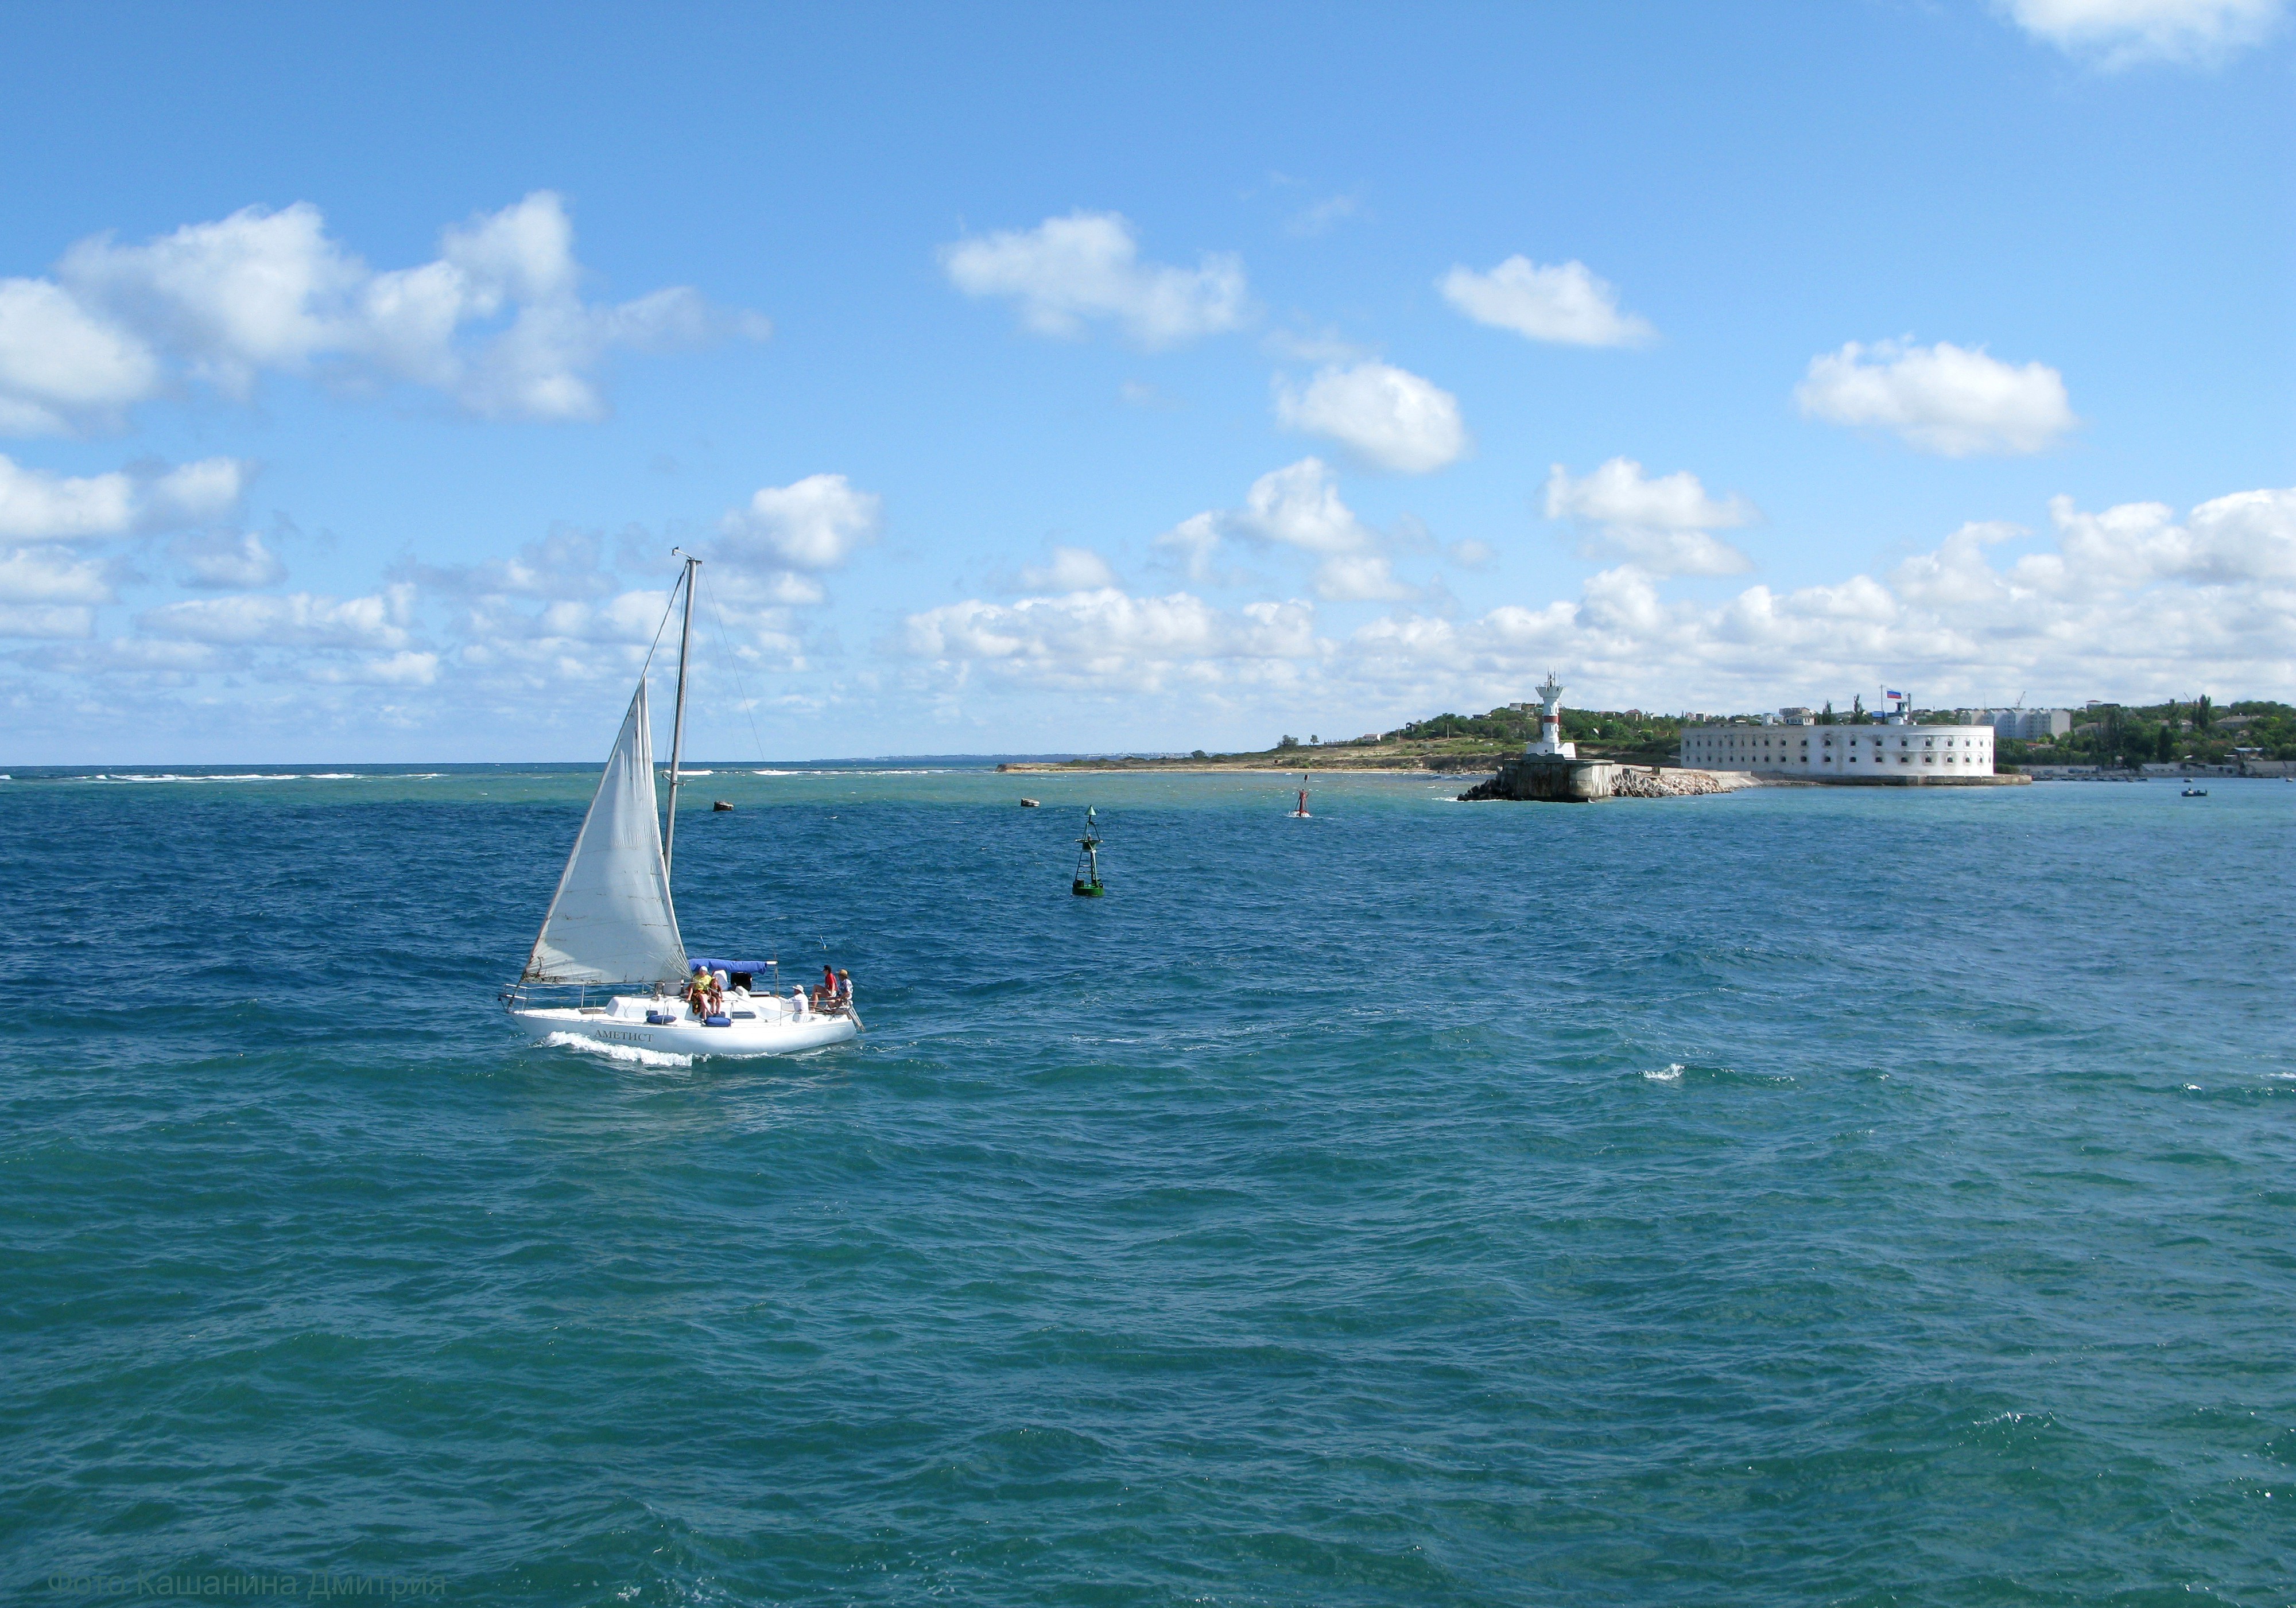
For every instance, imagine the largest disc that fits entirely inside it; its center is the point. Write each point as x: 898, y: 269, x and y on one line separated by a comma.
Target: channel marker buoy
x: 1086, y: 881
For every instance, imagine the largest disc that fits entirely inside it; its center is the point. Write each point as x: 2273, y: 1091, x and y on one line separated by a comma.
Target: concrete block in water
x: 1543, y: 778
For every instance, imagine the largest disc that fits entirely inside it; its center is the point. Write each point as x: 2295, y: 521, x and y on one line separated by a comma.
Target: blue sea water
x: 1795, y: 1196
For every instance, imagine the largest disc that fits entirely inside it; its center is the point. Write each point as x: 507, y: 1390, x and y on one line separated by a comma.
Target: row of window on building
x: 1740, y: 748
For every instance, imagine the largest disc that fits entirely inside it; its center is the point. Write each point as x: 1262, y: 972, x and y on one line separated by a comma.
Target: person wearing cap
x: 845, y: 988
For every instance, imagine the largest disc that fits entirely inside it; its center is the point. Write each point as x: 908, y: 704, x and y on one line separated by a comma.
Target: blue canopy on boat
x: 693, y: 961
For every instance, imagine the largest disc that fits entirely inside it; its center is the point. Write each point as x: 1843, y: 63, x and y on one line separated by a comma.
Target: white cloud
x: 192, y: 494
x: 1304, y: 345
x: 1660, y: 524
x: 133, y: 659
x: 1297, y: 507
x: 47, y: 620
x: 564, y: 564
x: 297, y: 619
x: 496, y: 321
x: 1944, y: 398
x: 34, y: 502
x: 1360, y: 578
x: 1072, y: 570
x: 2247, y: 539
x: 51, y: 575
x: 631, y: 618
x: 2129, y: 603
x: 403, y: 668
x: 1565, y: 303
x: 1386, y: 415
x: 51, y: 591
x: 61, y: 366
x: 2120, y: 33
x: 1319, y: 218
x: 37, y: 505
x: 1069, y: 270
x: 815, y: 523
x: 2248, y: 536
x: 223, y: 560
x: 1112, y: 638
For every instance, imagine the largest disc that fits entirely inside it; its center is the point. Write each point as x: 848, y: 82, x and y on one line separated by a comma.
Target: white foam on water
x: 292, y: 776
x: 637, y: 1054
x: 1671, y: 1073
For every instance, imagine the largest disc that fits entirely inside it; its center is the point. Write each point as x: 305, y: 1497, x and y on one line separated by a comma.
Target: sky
x: 1078, y: 378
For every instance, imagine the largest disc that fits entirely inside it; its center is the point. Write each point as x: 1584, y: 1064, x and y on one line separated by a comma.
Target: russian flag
x: 1896, y: 695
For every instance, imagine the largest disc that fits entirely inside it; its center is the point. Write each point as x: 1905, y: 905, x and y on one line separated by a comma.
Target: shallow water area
x: 1791, y: 1196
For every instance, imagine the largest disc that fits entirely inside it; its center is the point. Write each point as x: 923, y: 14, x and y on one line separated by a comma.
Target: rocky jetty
x: 1666, y: 781
x: 1535, y: 778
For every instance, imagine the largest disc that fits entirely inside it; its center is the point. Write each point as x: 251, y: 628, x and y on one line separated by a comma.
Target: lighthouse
x: 1550, y: 743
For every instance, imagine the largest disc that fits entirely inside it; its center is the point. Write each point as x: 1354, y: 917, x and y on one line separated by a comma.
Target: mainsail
x: 610, y: 921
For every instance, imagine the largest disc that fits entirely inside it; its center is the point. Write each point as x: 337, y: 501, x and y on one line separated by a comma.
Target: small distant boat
x: 1030, y: 804
x: 2196, y: 792
x: 611, y: 926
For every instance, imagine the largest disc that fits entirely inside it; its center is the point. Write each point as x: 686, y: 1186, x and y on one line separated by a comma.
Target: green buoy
x: 1087, y: 885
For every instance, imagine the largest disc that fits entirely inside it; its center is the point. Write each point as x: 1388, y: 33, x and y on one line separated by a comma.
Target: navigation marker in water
x: 1086, y: 883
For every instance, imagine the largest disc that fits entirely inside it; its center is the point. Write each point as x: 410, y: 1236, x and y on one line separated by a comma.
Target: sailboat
x: 611, y: 928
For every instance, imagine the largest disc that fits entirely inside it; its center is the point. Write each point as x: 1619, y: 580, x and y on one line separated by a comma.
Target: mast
x: 677, y: 722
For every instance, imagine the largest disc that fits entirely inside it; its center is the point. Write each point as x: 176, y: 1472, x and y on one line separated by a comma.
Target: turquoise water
x: 1797, y: 1196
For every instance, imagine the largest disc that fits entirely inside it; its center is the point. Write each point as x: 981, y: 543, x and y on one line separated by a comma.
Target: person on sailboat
x: 844, y: 988
x: 797, y: 1001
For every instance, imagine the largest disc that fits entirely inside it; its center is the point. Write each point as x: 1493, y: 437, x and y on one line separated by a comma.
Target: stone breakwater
x: 1666, y: 781
x: 1541, y: 779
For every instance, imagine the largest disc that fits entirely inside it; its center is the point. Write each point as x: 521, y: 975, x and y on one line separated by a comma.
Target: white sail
x: 610, y: 920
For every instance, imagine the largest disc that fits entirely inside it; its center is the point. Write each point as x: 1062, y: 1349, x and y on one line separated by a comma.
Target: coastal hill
x: 1442, y: 743
x: 2111, y: 733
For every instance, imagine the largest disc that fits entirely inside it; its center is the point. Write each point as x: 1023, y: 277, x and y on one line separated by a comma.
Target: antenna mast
x: 677, y: 722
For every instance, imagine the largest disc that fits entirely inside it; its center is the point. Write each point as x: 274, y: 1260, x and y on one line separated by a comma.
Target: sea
x: 1794, y: 1196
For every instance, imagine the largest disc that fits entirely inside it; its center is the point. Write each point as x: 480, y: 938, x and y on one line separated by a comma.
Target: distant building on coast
x: 2024, y: 725
x: 1795, y: 745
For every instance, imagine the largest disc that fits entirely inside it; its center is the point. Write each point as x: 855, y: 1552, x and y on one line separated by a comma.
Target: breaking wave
x: 636, y: 1054
x: 295, y: 775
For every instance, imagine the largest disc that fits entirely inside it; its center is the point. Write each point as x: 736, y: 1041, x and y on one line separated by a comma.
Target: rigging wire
x: 734, y: 663
x: 664, y: 626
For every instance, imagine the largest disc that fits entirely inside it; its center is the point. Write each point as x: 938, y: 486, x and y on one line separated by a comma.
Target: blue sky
x: 1092, y: 377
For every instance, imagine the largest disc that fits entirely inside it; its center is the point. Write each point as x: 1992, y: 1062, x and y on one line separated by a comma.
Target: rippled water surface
x: 1797, y: 1196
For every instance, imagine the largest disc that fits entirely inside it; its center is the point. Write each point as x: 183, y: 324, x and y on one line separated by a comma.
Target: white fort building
x: 1793, y: 744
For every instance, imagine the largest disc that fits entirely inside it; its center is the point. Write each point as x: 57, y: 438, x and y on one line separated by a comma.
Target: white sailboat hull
x: 624, y: 1022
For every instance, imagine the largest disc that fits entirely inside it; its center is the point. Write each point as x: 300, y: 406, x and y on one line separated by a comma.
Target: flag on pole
x: 1896, y: 695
